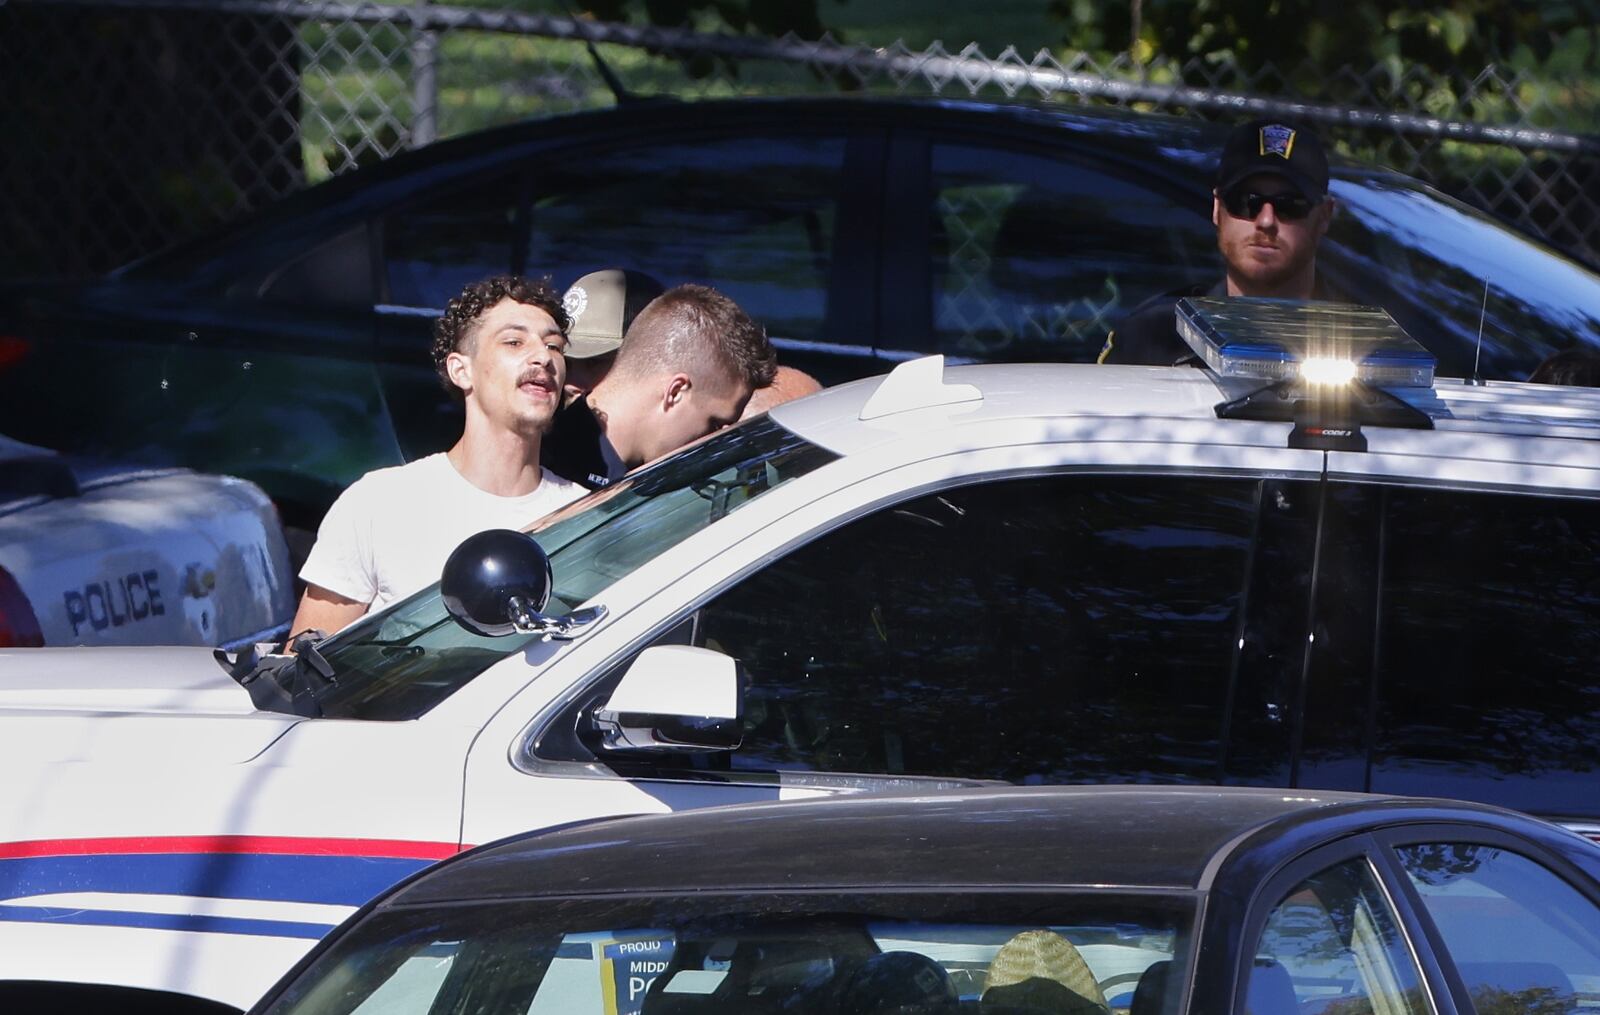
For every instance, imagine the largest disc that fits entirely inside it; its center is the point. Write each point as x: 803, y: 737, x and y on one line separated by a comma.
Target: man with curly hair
x: 686, y: 367
x: 499, y: 349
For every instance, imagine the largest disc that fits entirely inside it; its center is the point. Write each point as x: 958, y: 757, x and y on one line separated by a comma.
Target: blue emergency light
x: 1318, y: 342
x: 1329, y: 367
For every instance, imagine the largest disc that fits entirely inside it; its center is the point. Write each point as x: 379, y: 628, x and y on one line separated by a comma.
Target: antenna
x: 618, y: 90
x: 1477, y: 356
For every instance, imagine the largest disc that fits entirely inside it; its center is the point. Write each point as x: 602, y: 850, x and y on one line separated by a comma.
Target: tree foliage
x: 1333, y: 33
x: 764, y: 17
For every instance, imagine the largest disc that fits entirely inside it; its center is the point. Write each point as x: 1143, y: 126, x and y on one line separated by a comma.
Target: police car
x: 1270, y: 573
x: 102, y: 554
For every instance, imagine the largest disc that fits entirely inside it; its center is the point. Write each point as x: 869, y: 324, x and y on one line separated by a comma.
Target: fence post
x: 424, y: 84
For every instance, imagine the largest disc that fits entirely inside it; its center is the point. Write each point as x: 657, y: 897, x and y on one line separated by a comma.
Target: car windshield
x: 400, y: 662
x: 1431, y: 258
x: 818, y: 953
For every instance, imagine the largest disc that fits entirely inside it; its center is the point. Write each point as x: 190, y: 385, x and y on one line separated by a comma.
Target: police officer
x: 1271, y: 208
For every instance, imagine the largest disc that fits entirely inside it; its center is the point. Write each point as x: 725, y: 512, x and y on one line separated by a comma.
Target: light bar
x: 1319, y: 342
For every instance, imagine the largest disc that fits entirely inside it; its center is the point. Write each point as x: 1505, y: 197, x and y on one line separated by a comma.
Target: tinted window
x: 435, y: 249
x: 1036, y: 257
x: 1523, y: 940
x: 1490, y: 628
x: 752, y: 216
x: 337, y: 273
x: 1426, y: 259
x: 1048, y: 630
x: 1333, y: 947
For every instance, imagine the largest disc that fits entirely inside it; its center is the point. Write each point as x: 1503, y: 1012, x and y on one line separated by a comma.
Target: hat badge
x: 575, y: 302
x: 1276, y: 139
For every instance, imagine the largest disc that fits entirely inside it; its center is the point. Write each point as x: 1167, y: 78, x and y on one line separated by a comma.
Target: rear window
x: 817, y: 953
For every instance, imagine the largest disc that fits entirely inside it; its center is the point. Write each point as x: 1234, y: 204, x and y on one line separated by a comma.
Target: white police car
x: 105, y: 554
x: 1032, y: 574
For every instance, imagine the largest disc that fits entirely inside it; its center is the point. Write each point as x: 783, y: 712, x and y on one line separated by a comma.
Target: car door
x: 1005, y: 247
x: 1324, y: 937
x: 779, y: 217
x: 1058, y: 613
x: 1516, y: 927
x: 1457, y: 623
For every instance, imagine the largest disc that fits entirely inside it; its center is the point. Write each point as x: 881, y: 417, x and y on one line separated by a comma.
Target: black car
x: 291, y: 348
x: 1004, y: 902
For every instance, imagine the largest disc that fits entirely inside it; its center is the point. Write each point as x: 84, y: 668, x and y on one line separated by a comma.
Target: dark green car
x: 291, y: 348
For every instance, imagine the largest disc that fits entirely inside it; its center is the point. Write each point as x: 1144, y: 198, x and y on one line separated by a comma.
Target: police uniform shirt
x: 576, y: 448
x: 1148, y: 335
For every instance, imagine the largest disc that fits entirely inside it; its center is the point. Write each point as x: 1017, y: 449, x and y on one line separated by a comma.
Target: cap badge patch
x: 1276, y: 139
x: 575, y: 302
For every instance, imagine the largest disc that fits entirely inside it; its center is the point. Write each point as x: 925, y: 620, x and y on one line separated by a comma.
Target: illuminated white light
x: 1322, y: 370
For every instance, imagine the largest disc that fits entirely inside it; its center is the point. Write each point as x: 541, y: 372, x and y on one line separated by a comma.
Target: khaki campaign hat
x: 602, y: 304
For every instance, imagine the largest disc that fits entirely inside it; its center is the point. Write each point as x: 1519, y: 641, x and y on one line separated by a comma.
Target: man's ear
x: 1325, y: 214
x: 459, y: 369
x: 1216, y: 209
x: 677, y: 389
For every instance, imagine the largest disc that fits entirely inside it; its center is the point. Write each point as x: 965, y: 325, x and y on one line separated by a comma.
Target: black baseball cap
x: 1278, y: 149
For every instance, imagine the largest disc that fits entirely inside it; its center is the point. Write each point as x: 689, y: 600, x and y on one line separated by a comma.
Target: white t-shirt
x: 390, y: 533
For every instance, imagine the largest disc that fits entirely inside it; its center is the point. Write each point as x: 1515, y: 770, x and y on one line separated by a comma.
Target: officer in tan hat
x: 601, y: 304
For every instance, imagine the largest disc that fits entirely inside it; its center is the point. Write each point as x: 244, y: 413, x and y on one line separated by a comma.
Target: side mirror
x: 497, y: 582
x: 675, y: 698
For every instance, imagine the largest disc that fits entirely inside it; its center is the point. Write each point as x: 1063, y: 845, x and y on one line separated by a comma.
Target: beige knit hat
x: 1040, y: 962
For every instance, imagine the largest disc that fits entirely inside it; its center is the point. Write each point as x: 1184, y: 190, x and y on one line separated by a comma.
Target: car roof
x: 1102, y: 837
x: 1548, y: 417
x: 1149, y: 137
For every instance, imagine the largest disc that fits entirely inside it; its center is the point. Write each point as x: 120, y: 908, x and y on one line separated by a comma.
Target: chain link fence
x: 149, y: 121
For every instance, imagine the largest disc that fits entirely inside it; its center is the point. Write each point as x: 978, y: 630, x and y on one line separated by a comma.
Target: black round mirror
x: 493, y: 577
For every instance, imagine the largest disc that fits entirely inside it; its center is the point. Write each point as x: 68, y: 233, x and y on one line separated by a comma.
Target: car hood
x: 86, y: 704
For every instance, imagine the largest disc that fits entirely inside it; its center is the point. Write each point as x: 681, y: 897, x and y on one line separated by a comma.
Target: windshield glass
x: 816, y: 954
x: 1434, y: 255
x: 401, y: 662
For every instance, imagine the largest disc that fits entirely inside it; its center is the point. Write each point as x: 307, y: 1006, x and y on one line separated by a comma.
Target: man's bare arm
x: 325, y: 610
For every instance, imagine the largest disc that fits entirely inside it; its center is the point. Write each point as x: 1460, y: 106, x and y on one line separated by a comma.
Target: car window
x: 435, y: 248
x: 1488, y: 634
x: 752, y: 954
x: 1035, y: 257
x: 1522, y: 938
x: 1332, y: 946
x: 1038, y: 631
x: 752, y: 216
x: 400, y: 662
x: 335, y: 274
x: 1428, y: 259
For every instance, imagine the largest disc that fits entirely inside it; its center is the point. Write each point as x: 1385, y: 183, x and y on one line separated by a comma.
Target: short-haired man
x: 1271, y: 208
x: 498, y: 349
x: 602, y: 305
x: 686, y: 367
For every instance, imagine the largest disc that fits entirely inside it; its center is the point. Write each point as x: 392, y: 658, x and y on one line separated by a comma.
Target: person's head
x: 499, y: 349
x: 687, y: 367
x: 1271, y: 208
x: 787, y: 385
x: 602, y: 305
x: 1577, y: 367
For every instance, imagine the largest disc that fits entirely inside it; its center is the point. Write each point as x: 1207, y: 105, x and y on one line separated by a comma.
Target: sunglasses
x: 1243, y: 204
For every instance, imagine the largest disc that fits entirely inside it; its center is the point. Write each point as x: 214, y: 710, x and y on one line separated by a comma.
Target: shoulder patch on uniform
x: 1105, y: 350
